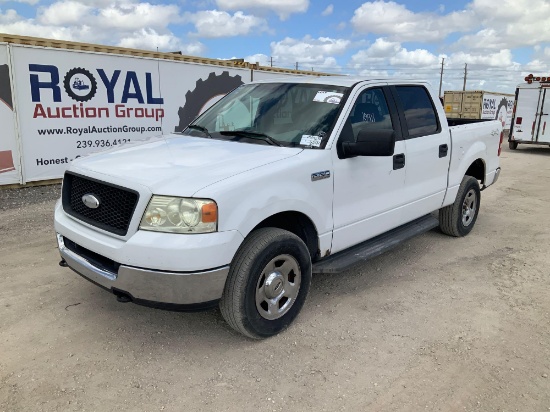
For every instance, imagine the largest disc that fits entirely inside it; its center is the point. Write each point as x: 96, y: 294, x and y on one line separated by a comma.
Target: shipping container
x: 531, y: 109
x: 61, y: 100
x: 479, y: 104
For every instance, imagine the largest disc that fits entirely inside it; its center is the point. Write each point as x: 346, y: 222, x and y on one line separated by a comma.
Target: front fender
x: 246, y: 200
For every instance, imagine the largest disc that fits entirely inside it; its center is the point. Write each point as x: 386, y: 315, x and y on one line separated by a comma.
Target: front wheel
x: 268, y: 282
x: 459, y: 218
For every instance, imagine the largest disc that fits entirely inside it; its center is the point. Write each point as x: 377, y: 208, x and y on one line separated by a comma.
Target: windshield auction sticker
x: 313, y: 141
x: 328, y: 97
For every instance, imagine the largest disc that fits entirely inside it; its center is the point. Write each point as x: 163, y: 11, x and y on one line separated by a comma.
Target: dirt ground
x: 439, y: 324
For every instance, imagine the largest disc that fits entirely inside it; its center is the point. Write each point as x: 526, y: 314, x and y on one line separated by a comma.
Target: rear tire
x: 512, y: 145
x: 459, y: 218
x: 268, y: 283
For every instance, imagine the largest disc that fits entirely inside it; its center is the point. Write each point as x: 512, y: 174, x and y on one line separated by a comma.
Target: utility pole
x: 465, y: 75
x: 441, y: 76
x: 271, y: 61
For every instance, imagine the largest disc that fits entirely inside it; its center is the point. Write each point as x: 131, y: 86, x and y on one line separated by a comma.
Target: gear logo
x: 5, y: 87
x: 80, y: 84
x: 214, y: 87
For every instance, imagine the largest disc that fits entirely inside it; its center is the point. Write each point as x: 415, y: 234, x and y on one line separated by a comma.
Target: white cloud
x: 391, y: 53
x: 399, y: 23
x: 11, y: 22
x: 502, y: 59
x: 151, y: 40
x: 20, y: 1
x: 129, y: 16
x: 283, y: 8
x: 259, y: 58
x: 64, y: 13
x: 309, y: 52
x: 417, y: 58
x: 9, y: 16
x: 385, y: 59
x: 214, y: 23
x: 514, y: 23
x: 328, y: 11
x: 373, y: 73
x: 381, y: 49
x: 120, y: 22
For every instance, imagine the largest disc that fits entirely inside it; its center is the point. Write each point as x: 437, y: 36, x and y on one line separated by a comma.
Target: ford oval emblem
x: 90, y: 200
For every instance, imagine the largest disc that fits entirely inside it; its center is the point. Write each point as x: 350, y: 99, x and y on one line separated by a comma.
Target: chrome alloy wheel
x: 278, y: 287
x: 469, y: 207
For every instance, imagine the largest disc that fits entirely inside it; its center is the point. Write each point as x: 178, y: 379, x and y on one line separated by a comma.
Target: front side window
x: 370, y: 111
x: 419, y: 110
x: 289, y: 114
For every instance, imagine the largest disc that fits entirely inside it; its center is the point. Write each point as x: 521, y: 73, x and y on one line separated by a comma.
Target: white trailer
x: 62, y: 100
x: 531, y: 109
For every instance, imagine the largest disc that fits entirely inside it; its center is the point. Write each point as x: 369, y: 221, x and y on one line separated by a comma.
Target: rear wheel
x: 459, y: 218
x: 268, y: 283
x: 512, y: 145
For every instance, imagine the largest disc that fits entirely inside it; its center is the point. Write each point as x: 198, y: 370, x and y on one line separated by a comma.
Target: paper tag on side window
x: 328, y: 97
x: 308, y: 140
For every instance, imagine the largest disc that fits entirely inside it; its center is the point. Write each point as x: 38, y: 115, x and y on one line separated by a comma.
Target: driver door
x: 367, y: 189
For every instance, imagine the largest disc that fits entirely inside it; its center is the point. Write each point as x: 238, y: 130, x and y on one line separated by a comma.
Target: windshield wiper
x: 201, y: 129
x: 252, y: 135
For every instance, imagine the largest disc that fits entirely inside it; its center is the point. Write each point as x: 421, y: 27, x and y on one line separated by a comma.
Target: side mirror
x: 371, y: 142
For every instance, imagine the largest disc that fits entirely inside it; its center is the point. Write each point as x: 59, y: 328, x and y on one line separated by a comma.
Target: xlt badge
x: 320, y: 175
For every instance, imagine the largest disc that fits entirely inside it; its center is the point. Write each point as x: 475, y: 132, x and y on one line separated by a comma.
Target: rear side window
x: 419, y: 110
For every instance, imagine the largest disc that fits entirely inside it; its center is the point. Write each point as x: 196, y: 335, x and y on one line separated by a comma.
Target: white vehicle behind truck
x: 278, y: 180
x: 531, y: 109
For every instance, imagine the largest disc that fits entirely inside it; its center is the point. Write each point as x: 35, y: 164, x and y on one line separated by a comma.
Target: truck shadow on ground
x: 140, y: 323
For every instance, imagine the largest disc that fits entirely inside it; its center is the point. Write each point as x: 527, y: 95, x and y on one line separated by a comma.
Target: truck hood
x: 181, y: 165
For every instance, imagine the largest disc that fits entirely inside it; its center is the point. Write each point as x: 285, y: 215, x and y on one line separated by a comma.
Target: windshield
x: 283, y: 114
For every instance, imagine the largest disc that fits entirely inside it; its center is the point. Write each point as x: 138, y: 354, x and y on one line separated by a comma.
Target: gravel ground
x: 17, y: 198
x: 439, y: 324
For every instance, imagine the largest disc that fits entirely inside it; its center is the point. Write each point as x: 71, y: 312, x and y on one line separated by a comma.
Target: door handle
x: 398, y: 161
x: 443, y: 150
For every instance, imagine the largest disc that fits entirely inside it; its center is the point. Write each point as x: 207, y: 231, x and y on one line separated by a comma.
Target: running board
x: 362, y: 252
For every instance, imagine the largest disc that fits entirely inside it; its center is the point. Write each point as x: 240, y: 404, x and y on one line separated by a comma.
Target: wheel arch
x: 299, y: 224
x: 477, y: 170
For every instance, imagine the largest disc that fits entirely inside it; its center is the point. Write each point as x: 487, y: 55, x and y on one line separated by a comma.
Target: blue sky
x: 500, y: 41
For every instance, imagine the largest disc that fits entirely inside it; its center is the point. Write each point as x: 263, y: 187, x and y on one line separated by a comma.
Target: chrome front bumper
x: 146, y: 286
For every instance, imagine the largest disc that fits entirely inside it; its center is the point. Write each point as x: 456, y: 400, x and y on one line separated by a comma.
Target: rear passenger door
x: 427, y: 146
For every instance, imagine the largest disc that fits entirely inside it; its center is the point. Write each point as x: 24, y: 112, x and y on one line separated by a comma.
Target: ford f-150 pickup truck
x: 276, y: 181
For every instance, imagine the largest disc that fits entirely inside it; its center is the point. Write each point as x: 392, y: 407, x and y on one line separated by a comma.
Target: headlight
x: 180, y: 215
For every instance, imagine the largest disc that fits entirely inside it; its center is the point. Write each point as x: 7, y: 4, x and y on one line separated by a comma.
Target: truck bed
x: 460, y: 122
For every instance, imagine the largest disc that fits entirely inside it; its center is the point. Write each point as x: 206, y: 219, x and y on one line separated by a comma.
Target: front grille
x: 116, y: 204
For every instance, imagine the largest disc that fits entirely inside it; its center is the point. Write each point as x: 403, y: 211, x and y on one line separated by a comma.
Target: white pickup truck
x: 276, y: 181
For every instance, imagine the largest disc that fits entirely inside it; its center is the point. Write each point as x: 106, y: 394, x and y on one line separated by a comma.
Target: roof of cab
x: 346, y: 81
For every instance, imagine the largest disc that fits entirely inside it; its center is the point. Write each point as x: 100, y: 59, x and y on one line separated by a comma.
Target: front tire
x: 459, y: 218
x: 268, y: 283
